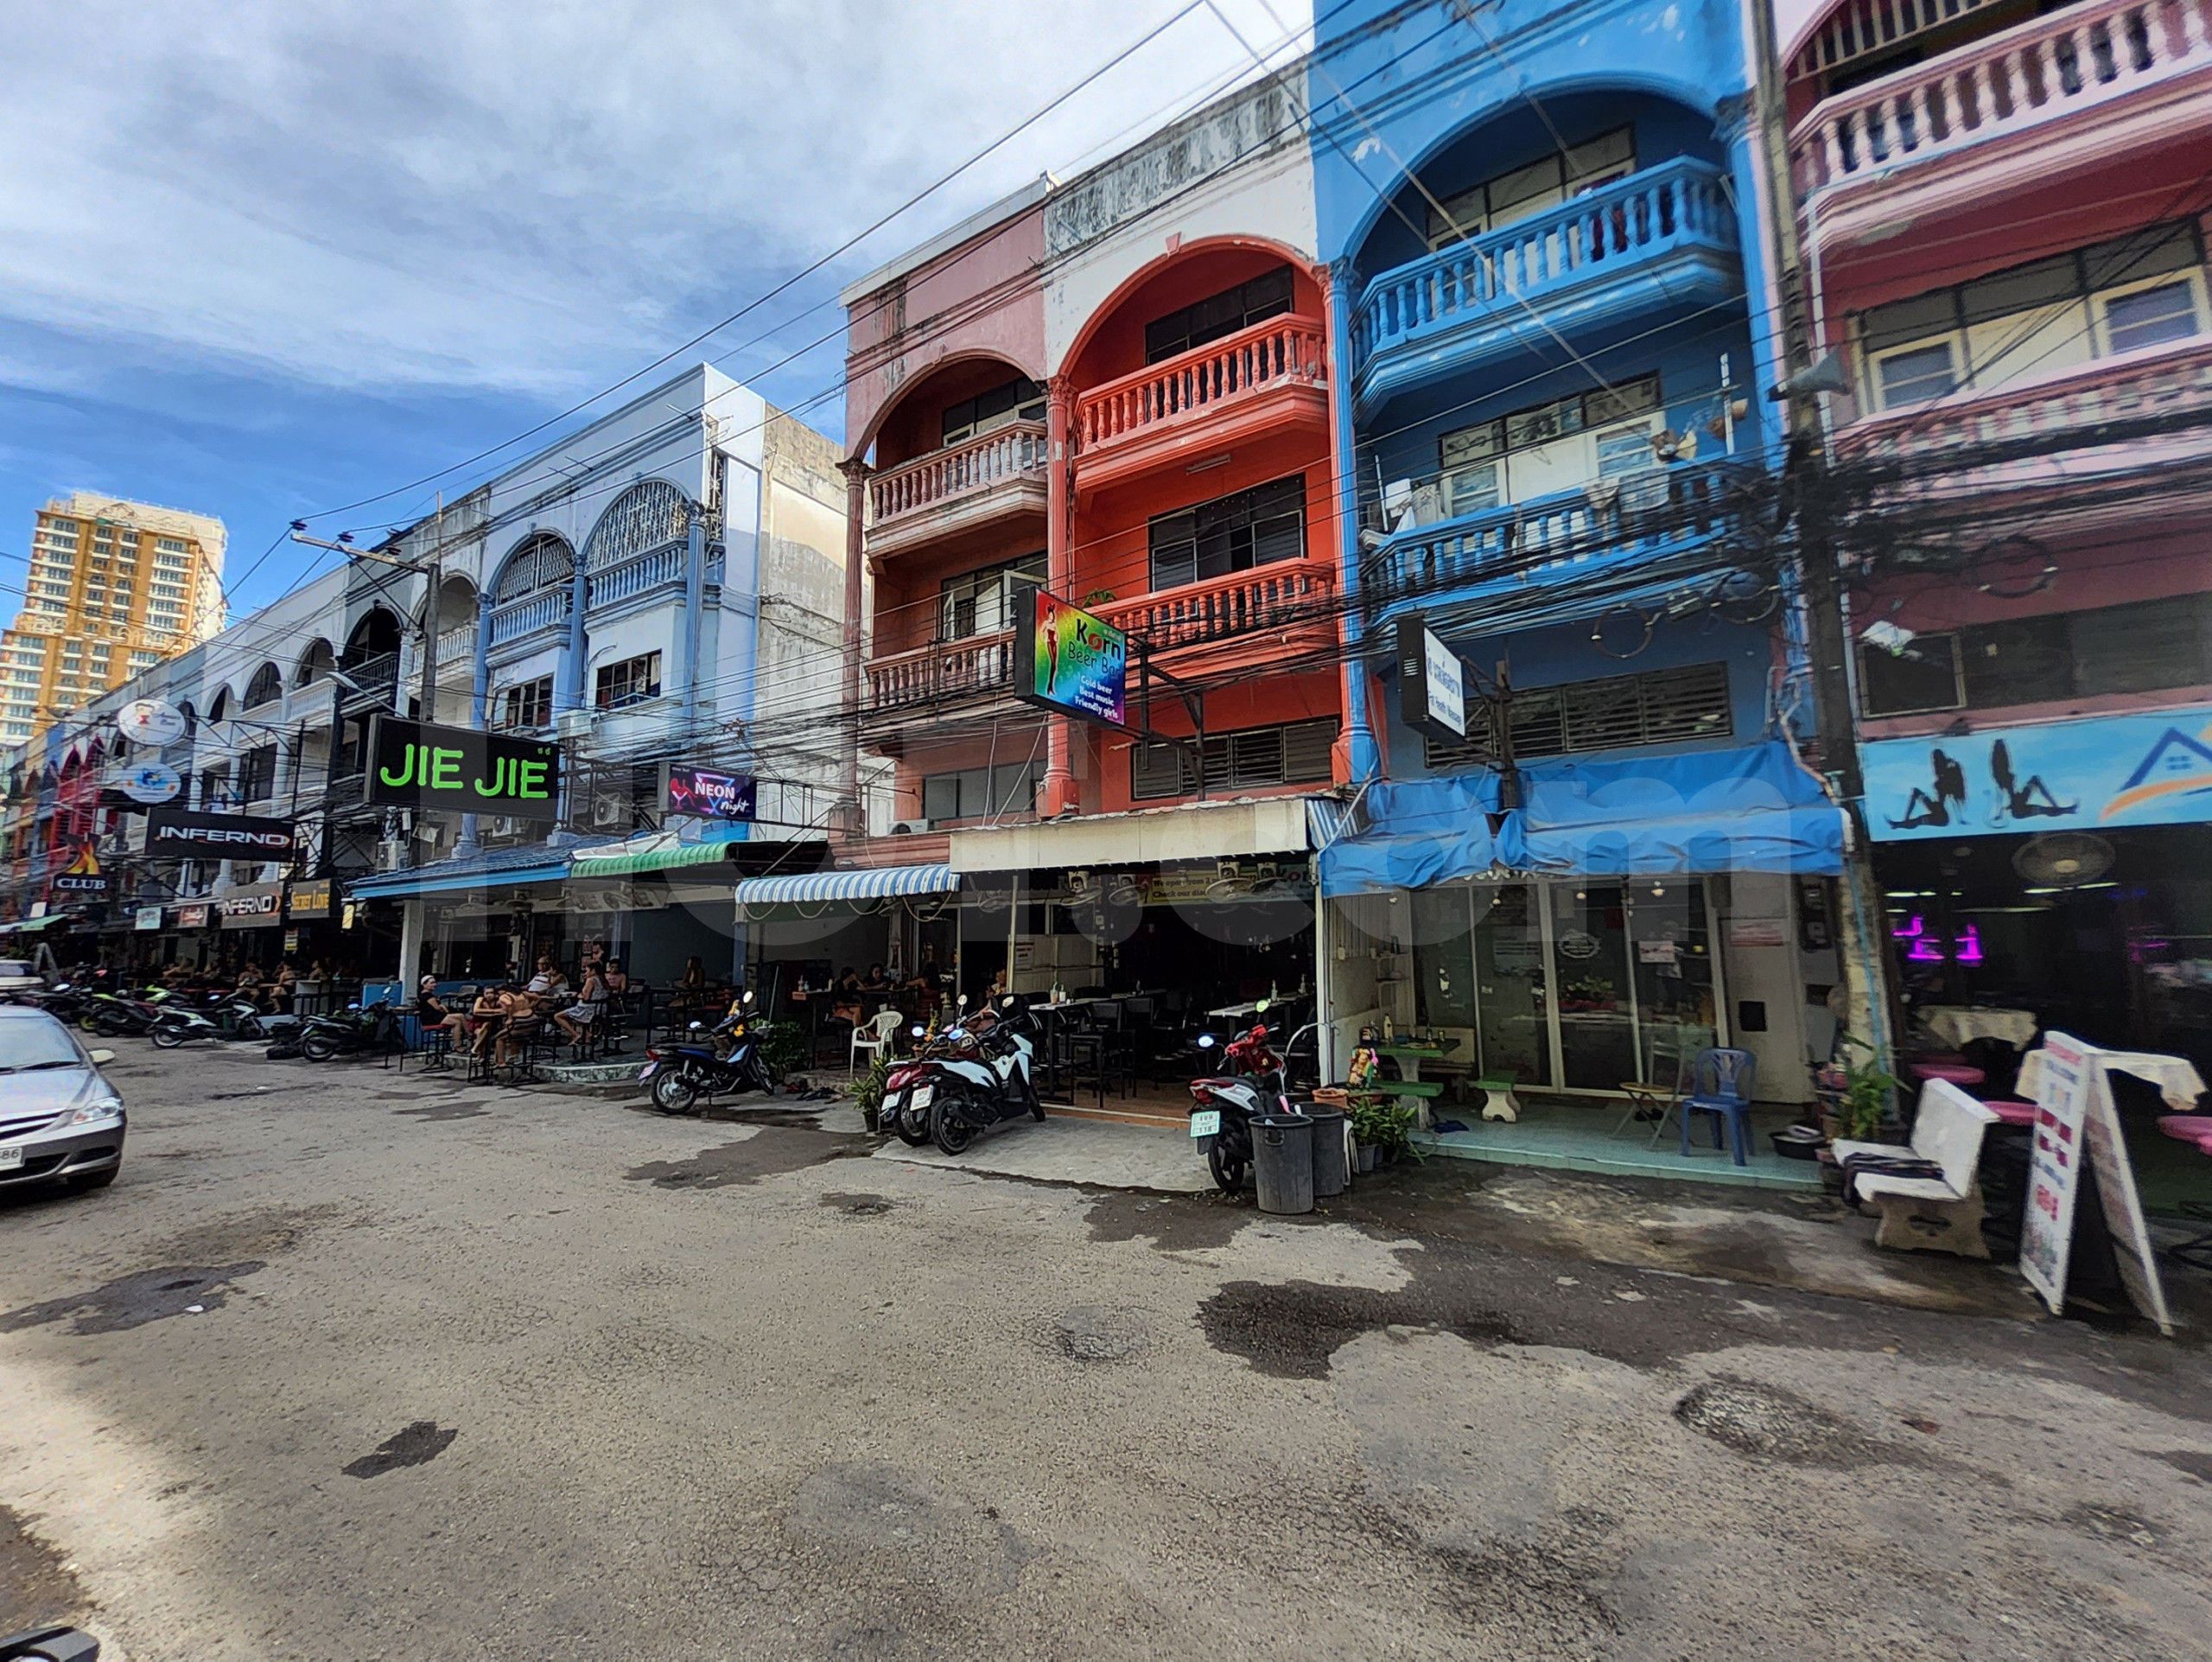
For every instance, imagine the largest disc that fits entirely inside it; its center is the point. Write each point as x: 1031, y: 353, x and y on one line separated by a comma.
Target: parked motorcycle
x: 985, y: 1077
x: 112, y: 1015
x: 1221, y: 1106
x: 352, y: 1031
x: 725, y: 1058
x: 227, y: 1017
x: 65, y: 1001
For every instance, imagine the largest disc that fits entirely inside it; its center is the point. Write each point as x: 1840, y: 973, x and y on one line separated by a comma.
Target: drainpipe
x: 1060, y: 791
x: 1356, y: 759
x: 687, y: 638
x: 479, y: 696
x: 856, y: 476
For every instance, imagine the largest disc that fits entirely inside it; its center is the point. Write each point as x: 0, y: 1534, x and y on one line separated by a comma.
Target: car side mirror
x: 101, y: 1057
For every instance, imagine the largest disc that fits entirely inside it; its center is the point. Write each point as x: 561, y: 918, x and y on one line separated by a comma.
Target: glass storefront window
x: 1512, y: 999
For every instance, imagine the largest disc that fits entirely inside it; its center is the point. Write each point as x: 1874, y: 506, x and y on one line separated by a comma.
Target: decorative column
x: 688, y: 637
x: 856, y: 472
x: 480, y: 698
x: 1059, y: 794
x: 1356, y: 757
x: 569, y: 683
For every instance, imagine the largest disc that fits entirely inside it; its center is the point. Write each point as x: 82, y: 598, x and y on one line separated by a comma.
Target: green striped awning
x: 626, y: 859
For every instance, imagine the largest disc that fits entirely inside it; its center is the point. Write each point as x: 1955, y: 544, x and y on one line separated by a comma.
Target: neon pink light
x: 1924, y: 948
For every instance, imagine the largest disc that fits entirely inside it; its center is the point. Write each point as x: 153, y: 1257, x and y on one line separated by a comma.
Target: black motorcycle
x: 352, y: 1031
x: 725, y: 1058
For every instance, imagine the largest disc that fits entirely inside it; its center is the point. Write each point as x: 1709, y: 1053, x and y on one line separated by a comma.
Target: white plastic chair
x: 880, y: 1024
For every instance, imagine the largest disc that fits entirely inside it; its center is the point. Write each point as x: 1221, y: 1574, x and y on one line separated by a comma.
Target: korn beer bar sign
x: 415, y: 765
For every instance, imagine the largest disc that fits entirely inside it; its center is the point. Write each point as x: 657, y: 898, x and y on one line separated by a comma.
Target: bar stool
x: 1960, y: 1074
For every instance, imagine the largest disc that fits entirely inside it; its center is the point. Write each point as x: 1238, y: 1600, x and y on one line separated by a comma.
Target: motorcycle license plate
x: 922, y: 1096
x: 11, y: 1158
x: 1205, y: 1122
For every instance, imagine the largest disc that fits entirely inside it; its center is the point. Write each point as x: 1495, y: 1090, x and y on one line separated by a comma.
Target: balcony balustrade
x: 1244, y: 607
x: 1523, y: 547
x: 633, y: 576
x: 519, y: 618
x: 948, y: 669
x: 456, y: 648
x: 1487, y: 291
x: 1278, y: 366
x: 2025, y: 77
x: 959, y: 484
x: 377, y: 678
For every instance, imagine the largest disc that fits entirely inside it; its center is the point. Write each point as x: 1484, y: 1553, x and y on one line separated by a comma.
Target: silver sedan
x: 60, y: 1121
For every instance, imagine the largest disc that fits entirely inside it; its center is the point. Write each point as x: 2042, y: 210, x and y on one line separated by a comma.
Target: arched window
x: 221, y: 707
x: 266, y: 687
x: 314, y: 663
x: 544, y: 562
x: 651, y: 514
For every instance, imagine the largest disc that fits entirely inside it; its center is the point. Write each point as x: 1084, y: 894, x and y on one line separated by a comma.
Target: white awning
x: 1192, y: 830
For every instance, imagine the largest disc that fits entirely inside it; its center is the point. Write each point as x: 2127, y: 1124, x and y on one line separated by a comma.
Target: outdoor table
x: 1413, y: 1052
x: 2176, y: 1080
x: 1235, y: 1012
x: 1958, y: 1025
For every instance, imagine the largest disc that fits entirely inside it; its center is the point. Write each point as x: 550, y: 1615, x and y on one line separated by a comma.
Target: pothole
x: 1771, y: 1424
x: 1098, y: 1332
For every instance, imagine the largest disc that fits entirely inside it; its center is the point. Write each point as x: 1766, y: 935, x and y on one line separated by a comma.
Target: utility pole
x: 430, y: 613
x: 1862, y: 939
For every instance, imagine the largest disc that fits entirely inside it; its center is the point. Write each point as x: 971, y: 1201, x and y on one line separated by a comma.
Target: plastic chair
x: 881, y: 1024
x: 1720, y: 1085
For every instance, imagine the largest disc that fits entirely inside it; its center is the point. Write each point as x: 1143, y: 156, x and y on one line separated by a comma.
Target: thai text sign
x: 2085, y: 776
x: 1068, y: 660
x: 416, y: 765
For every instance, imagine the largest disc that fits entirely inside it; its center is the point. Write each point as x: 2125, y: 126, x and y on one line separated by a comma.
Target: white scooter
x: 983, y: 1076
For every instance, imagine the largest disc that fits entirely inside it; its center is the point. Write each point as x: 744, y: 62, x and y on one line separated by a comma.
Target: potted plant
x: 869, y: 1092
x: 1379, y: 1128
x: 1856, y: 1097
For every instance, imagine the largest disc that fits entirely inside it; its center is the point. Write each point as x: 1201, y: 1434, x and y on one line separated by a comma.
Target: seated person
x: 576, y: 1021
x: 876, y: 981
x: 432, y: 1012
x: 486, y: 1016
x: 846, y: 1005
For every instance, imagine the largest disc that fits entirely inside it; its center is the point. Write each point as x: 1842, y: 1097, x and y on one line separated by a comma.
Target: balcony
x: 457, y: 651
x: 1536, y: 559
x: 377, y: 680
x: 953, y: 489
x: 1212, y: 398
x: 910, y: 691
x: 2015, y: 82
x: 1663, y: 238
x: 1271, y: 613
x: 2048, y: 438
x: 518, y: 621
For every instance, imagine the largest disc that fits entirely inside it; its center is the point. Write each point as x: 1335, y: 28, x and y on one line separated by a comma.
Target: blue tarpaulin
x: 1749, y: 808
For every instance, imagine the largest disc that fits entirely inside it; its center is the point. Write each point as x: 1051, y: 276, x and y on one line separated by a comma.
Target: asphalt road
x: 351, y: 1366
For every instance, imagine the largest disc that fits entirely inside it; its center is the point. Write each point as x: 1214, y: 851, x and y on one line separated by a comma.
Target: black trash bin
x: 1331, y: 1173
x: 1282, y: 1162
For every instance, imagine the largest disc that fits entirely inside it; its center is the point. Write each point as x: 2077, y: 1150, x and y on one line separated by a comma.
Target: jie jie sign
x: 179, y: 832
x: 415, y: 765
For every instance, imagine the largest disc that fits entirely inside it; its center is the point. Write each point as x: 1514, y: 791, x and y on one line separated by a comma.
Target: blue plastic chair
x: 1720, y: 1085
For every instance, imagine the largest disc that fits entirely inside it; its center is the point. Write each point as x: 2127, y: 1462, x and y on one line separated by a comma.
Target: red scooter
x: 1222, y: 1107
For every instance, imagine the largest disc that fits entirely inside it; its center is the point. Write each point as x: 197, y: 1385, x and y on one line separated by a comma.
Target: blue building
x: 1554, y: 325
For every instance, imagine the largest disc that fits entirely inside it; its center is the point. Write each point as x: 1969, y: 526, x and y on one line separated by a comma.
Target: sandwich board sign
x: 2076, y: 1127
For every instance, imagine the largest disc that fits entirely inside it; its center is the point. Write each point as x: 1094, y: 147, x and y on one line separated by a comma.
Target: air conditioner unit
x: 505, y: 825
x: 908, y: 827
x: 611, y: 813
x: 574, y: 723
x: 391, y: 856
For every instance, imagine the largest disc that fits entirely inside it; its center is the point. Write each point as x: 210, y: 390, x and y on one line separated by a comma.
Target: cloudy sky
x: 269, y: 257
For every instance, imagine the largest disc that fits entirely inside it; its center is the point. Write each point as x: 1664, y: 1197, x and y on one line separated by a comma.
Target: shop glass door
x: 1676, y: 998
x: 1598, y: 1042
x: 1512, y: 993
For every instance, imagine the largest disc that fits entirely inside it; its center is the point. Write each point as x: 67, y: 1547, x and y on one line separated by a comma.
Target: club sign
x: 174, y: 833
x: 1068, y: 660
x: 728, y: 797
x: 416, y: 765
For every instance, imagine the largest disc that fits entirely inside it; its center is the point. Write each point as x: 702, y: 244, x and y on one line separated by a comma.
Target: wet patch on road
x: 1770, y: 1423
x: 2195, y: 1462
x: 38, y: 1586
x: 1291, y: 1330
x: 418, y: 1444
x: 738, y: 1165
x: 859, y: 1206
x: 132, y: 1301
x: 870, y: 1510
x: 1098, y: 1333
x: 439, y: 1112
x: 1171, y: 1224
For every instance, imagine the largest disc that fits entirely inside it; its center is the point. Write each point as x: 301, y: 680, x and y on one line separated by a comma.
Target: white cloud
x: 432, y: 194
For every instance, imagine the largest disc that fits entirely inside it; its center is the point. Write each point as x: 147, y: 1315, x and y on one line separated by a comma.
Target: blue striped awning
x: 849, y: 888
